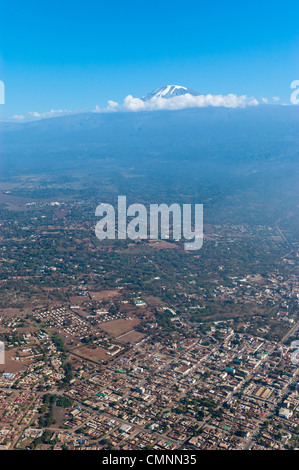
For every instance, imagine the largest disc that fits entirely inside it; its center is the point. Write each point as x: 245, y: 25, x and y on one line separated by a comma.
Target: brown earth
x: 105, y: 294
x: 118, y: 327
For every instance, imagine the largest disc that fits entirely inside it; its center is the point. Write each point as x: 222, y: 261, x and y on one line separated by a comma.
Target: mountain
x: 169, y: 91
x: 262, y: 130
x: 263, y: 138
x: 242, y: 161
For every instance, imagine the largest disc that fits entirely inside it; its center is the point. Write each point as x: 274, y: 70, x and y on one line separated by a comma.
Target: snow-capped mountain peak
x: 169, y: 91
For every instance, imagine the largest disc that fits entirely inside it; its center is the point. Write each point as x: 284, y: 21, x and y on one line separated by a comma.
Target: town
x: 140, y: 344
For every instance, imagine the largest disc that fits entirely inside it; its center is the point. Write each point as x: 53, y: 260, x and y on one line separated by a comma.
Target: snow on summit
x: 175, y: 97
x: 169, y: 91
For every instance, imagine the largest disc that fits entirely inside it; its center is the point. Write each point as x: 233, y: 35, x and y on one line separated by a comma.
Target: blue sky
x: 75, y: 55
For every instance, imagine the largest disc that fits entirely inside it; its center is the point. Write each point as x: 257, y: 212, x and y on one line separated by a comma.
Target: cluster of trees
x: 163, y: 319
x: 45, y: 438
x: 64, y: 402
x: 68, y: 371
x: 197, y: 404
x: 47, y: 411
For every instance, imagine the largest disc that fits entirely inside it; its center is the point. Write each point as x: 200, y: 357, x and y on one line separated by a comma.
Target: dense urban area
x: 140, y: 344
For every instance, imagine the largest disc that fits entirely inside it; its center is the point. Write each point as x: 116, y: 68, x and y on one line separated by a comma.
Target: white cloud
x: 276, y: 99
x: 179, y: 102
x: 19, y: 117
x: 131, y: 104
x: 265, y: 100
x: 32, y: 115
x: 112, y: 104
x: 35, y: 114
x: 51, y: 113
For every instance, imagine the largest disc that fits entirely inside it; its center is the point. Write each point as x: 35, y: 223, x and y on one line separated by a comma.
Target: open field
x: 96, y: 354
x: 11, y: 365
x: 163, y: 244
x: 131, y: 337
x: 105, y: 295
x: 15, y: 201
x: 152, y: 301
x: 11, y: 312
x: 116, y: 328
x: 78, y: 299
